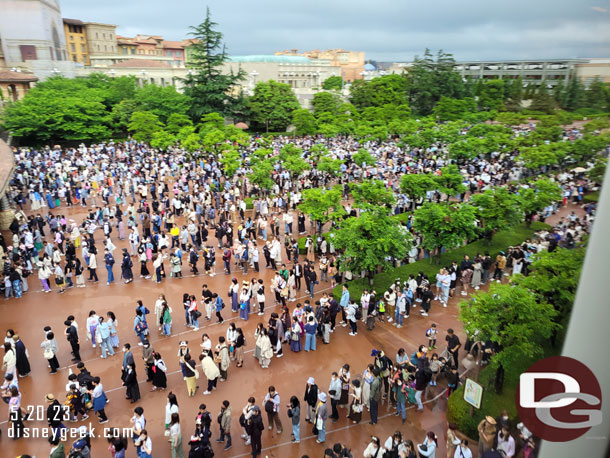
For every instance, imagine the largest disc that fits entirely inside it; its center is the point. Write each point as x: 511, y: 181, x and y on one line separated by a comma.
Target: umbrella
x: 241, y: 125
x: 579, y: 170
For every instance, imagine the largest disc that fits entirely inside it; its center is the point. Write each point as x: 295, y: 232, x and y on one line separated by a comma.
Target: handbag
x: 48, y: 353
x: 295, y: 337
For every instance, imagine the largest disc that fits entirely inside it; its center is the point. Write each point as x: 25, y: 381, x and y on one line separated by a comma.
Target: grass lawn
x: 501, y: 241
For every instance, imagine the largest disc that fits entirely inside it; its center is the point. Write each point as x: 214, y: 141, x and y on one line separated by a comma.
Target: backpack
x: 358, y: 315
x: 414, y: 359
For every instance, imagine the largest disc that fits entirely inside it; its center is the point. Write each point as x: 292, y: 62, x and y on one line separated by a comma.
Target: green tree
x: 325, y: 102
x: 296, y: 165
x: 380, y: 91
x: 496, y: 208
x: 304, y: 122
x: 416, y: 186
x: 537, y: 196
x: 121, y: 113
x: 191, y: 142
x: 143, y: 124
x: 510, y: 119
x: 574, y: 95
x: 444, y: 226
x: 162, y: 140
x: 450, y: 181
x: 448, y: 109
x: 553, y: 278
x: 330, y: 166
x: 177, y: 121
x: 230, y: 160
x: 428, y: 80
x: 162, y: 101
x: 367, y: 241
x: 272, y: 105
x: 363, y: 157
x: 467, y: 149
x: 542, y: 100
x: 56, y: 111
x: 511, y: 317
x: 261, y: 175
x: 598, y: 171
x: 333, y: 83
x: 209, y: 89
x: 597, y: 96
x: 492, y: 95
x: 322, y: 205
x: 513, y: 94
x: 371, y: 194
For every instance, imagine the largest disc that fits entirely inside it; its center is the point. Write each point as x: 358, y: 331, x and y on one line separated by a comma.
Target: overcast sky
x: 387, y: 30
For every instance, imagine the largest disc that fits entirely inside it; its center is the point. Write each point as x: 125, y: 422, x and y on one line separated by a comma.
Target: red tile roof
x: 141, y: 63
x: 22, y: 77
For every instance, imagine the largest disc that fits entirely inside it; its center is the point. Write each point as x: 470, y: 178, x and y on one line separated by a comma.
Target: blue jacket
x: 344, y: 298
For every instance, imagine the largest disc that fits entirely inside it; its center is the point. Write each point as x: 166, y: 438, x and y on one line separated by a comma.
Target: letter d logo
x: 528, y: 389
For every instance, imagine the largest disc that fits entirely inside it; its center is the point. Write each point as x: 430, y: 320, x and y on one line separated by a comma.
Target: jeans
x: 418, y: 394
x: 142, y: 337
x: 322, y: 432
x: 310, y: 342
x: 187, y: 317
x: 400, y: 407
x: 106, y: 347
x: 195, y: 321
x: 311, y: 285
x: 110, y: 274
x: 398, y: 318
x: 167, y: 329
x: 444, y: 293
x: 227, y: 435
x: 374, y: 408
x: 296, y: 432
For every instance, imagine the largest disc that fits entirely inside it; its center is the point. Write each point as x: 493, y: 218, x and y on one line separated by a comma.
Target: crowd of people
x: 164, y: 210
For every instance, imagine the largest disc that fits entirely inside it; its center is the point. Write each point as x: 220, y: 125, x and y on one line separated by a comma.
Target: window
x: 133, y: 51
x: 97, y: 36
x: 74, y: 57
x: 105, y: 48
x: 28, y: 52
x: 104, y: 35
x: 82, y: 38
x: 72, y: 47
x: 124, y: 50
x: 82, y: 48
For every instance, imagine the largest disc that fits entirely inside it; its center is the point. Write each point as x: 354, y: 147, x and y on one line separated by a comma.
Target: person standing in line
x: 130, y: 381
x: 223, y: 358
x: 294, y: 412
x: 145, y: 445
x: 21, y: 355
x: 104, y: 331
x: 99, y: 400
x: 224, y: 419
x: 375, y: 396
x: 334, y: 391
x: 50, y: 349
x: 191, y: 374
x: 272, y: 407
x: 92, y: 266
x: 255, y: 429
x: 240, y: 343
x: 109, y: 261
x: 321, y: 417
x: 453, y: 346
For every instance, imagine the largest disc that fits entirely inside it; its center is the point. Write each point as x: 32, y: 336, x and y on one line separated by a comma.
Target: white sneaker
x: 352, y: 334
x: 445, y: 304
x: 424, y: 314
x: 207, y: 392
x: 280, y: 355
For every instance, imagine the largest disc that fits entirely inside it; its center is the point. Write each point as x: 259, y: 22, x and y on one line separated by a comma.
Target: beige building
x: 14, y: 84
x: 351, y: 63
x: 101, y: 40
x: 594, y: 68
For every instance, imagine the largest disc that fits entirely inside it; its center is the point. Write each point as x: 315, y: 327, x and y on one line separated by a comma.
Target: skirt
x: 295, y: 345
x: 191, y: 385
x: 257, y: 352
x: 159, y: 378
x: 353, y: 415
x: 344, y: 397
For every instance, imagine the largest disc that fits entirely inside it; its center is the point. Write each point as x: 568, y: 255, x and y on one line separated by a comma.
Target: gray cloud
x: 384, y: 29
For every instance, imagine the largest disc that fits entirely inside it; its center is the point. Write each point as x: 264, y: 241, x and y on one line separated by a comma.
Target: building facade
x: 101, y: 39
x: 351, y: 63
x: 32, y: 38
x: 14, y: 84
x: 76, y: 41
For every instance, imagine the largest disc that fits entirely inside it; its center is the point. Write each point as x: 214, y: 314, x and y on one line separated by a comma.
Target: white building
x: 32, y: 37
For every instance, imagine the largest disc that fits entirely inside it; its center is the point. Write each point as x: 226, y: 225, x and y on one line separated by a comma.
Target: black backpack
x: 358, y: 315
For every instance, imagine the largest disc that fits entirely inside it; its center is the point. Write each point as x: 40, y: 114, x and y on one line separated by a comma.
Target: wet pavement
x: 28, y: 315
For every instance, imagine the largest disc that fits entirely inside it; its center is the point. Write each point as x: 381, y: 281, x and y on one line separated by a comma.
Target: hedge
x: 492, y: 404
x: 501, y: 241
x: 592, y: 197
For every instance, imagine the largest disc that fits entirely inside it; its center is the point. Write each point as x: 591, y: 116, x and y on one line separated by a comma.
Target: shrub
x: 591, y: 197
x: 249, y: 204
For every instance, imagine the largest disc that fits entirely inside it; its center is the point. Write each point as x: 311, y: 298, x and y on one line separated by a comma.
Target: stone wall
x: 7, y: 164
